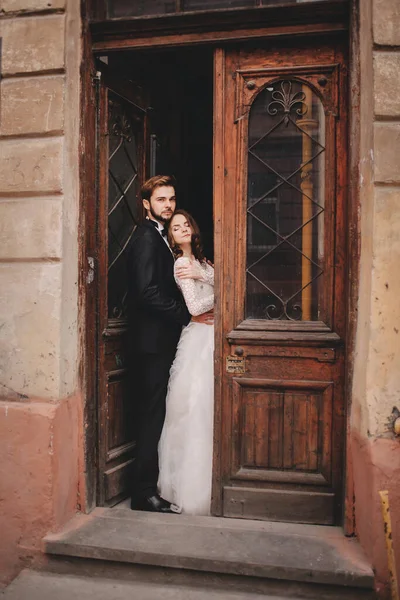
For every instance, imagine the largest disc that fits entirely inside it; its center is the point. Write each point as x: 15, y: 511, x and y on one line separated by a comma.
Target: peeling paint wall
x: 39, y: 193
x: 378, y: 347
x: 374, y: 450
x: 377, y: 363
x: 40, y: 404
x: 39, y: 478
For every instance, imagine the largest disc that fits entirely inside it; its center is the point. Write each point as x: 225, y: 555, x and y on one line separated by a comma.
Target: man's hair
x: 155, y: 182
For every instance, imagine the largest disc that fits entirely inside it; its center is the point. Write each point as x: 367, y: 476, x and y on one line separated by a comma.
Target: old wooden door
x: 121, y: 163
x: 280, y: 198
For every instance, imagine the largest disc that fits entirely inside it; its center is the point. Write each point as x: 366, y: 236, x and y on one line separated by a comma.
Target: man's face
x: 162, y: 203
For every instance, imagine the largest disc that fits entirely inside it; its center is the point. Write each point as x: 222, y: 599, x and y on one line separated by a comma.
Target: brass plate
x: 235, y: 364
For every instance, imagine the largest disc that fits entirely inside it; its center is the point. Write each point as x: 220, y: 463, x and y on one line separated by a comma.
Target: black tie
x: 163, y: 232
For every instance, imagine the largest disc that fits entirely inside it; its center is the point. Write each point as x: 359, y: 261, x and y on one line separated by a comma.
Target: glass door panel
x: 285, y: 203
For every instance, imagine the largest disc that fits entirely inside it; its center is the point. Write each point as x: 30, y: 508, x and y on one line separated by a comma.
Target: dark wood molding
x: 354, y: 246
x: 218, y: 186
x: 263, y: 325
x: 326, y: 14
x: 88, y: 272
x: 287, y: 337
x: 218, y: 38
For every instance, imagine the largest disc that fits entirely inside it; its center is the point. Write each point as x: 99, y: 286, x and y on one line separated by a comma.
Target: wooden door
x: 280, y: 205
x: 121, y: 163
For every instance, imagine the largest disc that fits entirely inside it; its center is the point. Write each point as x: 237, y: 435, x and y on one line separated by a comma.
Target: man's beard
x: 160, y: 218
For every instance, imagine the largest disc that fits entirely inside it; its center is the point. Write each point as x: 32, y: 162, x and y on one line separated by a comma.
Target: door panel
x: 121, y: 134
x: 280, y: 199
x: 282, y: 425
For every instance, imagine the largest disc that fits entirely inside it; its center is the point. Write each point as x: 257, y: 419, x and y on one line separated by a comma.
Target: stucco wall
x: 40, y: 404
x: 374, y: 450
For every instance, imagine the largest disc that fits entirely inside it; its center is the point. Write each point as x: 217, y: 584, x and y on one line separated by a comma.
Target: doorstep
x: 279, y: 551
x: 33, y: 585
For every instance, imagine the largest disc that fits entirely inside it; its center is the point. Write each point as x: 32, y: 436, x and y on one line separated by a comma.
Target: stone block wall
x: 40, y: 403
x: 374, y: 449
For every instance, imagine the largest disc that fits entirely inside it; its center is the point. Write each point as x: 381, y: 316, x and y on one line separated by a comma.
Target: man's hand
x: 189, y: 271
x: 206, y: 318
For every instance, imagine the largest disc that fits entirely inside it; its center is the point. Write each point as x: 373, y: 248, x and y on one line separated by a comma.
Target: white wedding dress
x: 186, y: 445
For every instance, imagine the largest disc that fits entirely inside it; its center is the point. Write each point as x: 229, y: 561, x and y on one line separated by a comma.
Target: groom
x: 156, y: 312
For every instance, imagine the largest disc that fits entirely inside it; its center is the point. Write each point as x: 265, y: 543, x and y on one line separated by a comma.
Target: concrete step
x: 31, y: 585
x: 34, y: 585
x: 250, y: 551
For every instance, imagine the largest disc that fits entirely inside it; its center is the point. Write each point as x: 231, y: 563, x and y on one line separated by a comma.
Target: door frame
x: 104, y: 37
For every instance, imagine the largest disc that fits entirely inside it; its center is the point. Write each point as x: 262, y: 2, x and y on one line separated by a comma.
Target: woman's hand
x: 206, y: 318
x: 189, y: 271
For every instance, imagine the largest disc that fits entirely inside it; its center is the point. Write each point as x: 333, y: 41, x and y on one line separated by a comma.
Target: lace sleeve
x: 208, y: 273
x: 196, y: 305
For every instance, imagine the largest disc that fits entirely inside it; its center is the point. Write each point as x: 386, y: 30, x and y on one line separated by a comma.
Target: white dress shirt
x: 160, y: 229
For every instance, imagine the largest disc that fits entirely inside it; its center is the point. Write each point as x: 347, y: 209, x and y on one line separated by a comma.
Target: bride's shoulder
x: 182, y: 260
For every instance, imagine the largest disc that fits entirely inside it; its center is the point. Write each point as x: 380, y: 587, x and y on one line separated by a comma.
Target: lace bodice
x: 198, y: 293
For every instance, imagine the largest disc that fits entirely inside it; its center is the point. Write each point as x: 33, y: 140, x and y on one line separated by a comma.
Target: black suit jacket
x: 156, y: 309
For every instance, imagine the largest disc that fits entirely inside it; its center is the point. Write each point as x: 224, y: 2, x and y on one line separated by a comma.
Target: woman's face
x: 180, y: 230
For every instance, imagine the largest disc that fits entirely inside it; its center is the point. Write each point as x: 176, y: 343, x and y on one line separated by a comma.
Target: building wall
x: 374, y: 450
x: 40, y: 405
x: 41, y: 426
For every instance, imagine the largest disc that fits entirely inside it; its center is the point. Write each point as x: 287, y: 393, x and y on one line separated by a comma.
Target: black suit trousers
x: 152, y: 382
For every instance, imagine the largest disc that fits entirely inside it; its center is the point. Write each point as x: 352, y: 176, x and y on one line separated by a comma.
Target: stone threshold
x: 280, y: 551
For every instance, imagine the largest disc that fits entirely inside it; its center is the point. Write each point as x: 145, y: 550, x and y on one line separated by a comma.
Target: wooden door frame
x: 108, y: 37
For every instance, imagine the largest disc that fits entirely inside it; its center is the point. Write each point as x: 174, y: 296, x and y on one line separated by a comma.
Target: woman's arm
x: 195, y: 305
x: 193, y: 270
x: 208, y: 273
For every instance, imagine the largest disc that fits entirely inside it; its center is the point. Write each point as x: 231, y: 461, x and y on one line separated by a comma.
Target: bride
x: 185, y: 448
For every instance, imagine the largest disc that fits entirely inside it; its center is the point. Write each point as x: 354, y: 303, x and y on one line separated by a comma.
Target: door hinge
x: 91, y: 270
x: 96, y: 78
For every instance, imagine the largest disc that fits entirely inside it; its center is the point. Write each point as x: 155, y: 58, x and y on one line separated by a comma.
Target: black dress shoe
x: 154, y: 504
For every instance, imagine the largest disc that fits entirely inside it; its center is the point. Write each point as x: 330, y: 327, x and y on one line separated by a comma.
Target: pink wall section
x: 376, y: 466
x: 40, y: 447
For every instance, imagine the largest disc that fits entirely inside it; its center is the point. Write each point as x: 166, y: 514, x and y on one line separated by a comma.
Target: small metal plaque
x: 235, y: 364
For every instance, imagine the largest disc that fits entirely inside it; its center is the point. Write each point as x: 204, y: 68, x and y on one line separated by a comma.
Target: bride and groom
x: 170, y: 310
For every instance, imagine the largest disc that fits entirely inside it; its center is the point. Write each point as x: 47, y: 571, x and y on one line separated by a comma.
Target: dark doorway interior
x: 155, y: 115
x: 178, y: 87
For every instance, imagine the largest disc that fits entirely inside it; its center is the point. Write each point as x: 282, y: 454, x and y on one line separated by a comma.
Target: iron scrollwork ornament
x: 122, y: 128
x: 121, y: 125
x: 276, y: 313
x: 286, y: 99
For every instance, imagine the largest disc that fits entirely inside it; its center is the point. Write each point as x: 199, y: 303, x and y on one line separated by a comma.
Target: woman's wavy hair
x: 197, y: 246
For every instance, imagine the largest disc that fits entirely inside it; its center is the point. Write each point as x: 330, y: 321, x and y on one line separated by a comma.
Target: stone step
x: 34, y: 585
x: 31, y: 585
x: 251, y: 549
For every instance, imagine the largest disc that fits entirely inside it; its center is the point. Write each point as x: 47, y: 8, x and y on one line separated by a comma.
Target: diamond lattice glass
x: 122, y: 198
x: 285, y: 203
